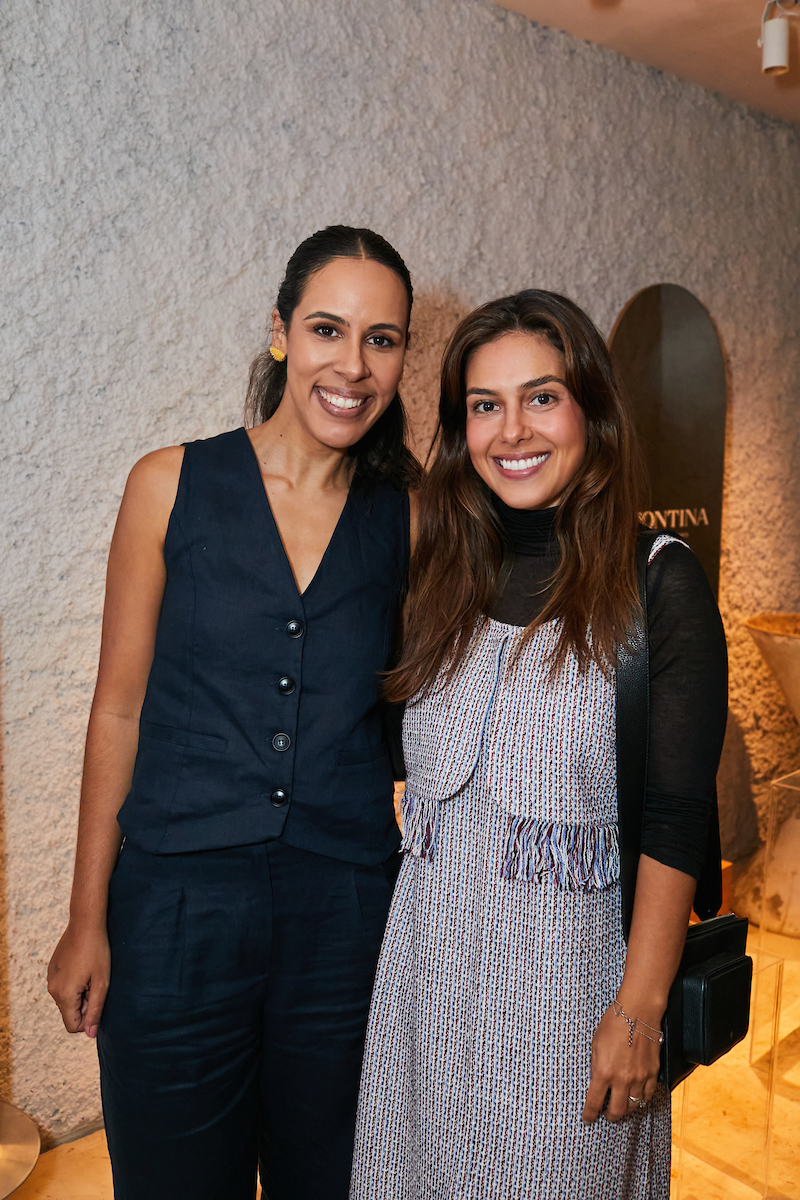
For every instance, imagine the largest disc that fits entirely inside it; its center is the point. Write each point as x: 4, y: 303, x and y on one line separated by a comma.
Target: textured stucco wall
x: 159, y: 162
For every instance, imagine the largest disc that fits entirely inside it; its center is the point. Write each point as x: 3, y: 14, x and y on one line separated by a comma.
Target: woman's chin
x: 523, y: 494
x: 340, y: 436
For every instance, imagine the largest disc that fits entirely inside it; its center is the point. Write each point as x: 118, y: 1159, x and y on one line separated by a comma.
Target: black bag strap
x: 633, y: 732
x: 708, y: 895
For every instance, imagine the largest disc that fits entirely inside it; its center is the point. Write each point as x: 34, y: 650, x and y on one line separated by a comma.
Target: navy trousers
x: 234, y: 1025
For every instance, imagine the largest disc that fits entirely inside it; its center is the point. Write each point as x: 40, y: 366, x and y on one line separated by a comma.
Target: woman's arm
x: 626, y: 1063
x: 79, y: 971
x: 688, y: 704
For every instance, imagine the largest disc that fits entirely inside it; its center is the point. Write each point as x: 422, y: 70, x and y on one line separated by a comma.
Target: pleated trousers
x: 233, y: 1030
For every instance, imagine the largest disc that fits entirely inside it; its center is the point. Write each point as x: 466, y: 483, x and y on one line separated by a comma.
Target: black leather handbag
x: 708, y: 1010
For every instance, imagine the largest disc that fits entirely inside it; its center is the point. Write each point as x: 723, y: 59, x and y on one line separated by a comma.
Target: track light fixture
x: 774, y: 40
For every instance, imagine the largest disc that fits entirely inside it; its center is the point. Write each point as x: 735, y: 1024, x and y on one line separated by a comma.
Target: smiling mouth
x: 522, y: 464
x: 339, y: 401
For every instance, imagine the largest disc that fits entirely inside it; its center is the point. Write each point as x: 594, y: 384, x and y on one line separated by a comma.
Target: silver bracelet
x: 634, y: 1023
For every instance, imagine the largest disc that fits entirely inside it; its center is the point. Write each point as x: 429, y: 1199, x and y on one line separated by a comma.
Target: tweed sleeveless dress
x: 503, y: 946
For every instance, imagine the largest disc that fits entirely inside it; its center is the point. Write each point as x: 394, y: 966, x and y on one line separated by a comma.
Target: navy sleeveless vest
x: 261, y: 717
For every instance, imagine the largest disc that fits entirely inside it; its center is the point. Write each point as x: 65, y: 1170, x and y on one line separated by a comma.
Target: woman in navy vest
x: 224, y: 957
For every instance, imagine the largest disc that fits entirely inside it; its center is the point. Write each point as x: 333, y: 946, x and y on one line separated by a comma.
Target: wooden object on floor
x: 19, y: 1148
x: 78, y: 1170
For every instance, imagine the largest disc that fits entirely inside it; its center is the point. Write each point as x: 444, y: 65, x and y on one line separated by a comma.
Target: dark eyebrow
x: 532, y: 383
x: 386, y: 325
x: 536, y: 383
x: 327, y: 317
x: 316, y: 316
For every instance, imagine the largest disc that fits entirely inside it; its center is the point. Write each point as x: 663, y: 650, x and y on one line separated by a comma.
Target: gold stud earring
x: 277, y: 354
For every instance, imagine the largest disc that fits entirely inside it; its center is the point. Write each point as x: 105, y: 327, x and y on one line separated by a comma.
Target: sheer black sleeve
x: 688, y: 707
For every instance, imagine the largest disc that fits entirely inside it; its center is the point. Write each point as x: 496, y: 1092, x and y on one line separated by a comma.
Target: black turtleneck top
x: 531, y: 534
x: 688, y: 679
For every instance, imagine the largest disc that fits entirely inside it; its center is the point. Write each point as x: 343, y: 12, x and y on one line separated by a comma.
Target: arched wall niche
x: 666, y: 350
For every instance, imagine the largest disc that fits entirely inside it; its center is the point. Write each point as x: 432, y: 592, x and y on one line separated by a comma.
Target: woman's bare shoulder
x: 159, y: 468
x: 152, y: 488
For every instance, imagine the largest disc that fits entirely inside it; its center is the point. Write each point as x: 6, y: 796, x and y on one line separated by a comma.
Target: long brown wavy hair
x: 461, y: 546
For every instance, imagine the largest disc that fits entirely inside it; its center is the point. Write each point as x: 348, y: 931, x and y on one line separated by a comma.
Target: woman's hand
x: 78, y: 977
x: 629, y: 1072
x: 661, y: 910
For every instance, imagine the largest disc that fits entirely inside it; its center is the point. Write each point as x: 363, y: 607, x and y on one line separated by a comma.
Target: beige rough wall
x: 160, y: 162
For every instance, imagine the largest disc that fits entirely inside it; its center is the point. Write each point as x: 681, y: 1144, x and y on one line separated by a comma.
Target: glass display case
x: 736, y: 1124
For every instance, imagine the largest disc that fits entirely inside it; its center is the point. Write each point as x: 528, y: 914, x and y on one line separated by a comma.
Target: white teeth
x: 521, y: 464
x: 340, y: 401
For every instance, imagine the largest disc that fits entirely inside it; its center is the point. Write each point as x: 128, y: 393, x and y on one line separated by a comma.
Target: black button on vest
x: 261, y: 717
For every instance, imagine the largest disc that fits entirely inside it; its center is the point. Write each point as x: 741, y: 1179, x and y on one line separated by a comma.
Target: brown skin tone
x: 355, y: 354
x: 347, y: 340
x: 79, y: 971
x: 519, y: 408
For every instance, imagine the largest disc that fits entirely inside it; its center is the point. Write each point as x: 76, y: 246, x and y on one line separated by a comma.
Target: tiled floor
x: 725, y: 1107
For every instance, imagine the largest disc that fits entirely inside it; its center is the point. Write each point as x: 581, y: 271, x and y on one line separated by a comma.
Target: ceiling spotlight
x: 774, y: 40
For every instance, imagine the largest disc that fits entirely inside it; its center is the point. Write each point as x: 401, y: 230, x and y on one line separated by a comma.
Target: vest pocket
x: 209, y: 742
x: 358, y: 755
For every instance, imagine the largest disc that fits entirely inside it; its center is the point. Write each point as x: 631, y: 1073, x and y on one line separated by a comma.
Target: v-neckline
x: 287, y: 561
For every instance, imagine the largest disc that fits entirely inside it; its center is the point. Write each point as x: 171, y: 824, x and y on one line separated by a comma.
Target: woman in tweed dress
x: 513, y: 1047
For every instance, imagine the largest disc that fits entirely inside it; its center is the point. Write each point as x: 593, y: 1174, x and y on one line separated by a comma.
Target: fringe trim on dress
x: 420, y: 825
x: 578, y: 857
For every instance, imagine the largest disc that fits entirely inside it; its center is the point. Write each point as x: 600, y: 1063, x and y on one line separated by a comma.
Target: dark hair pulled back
x: 382, y: 454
